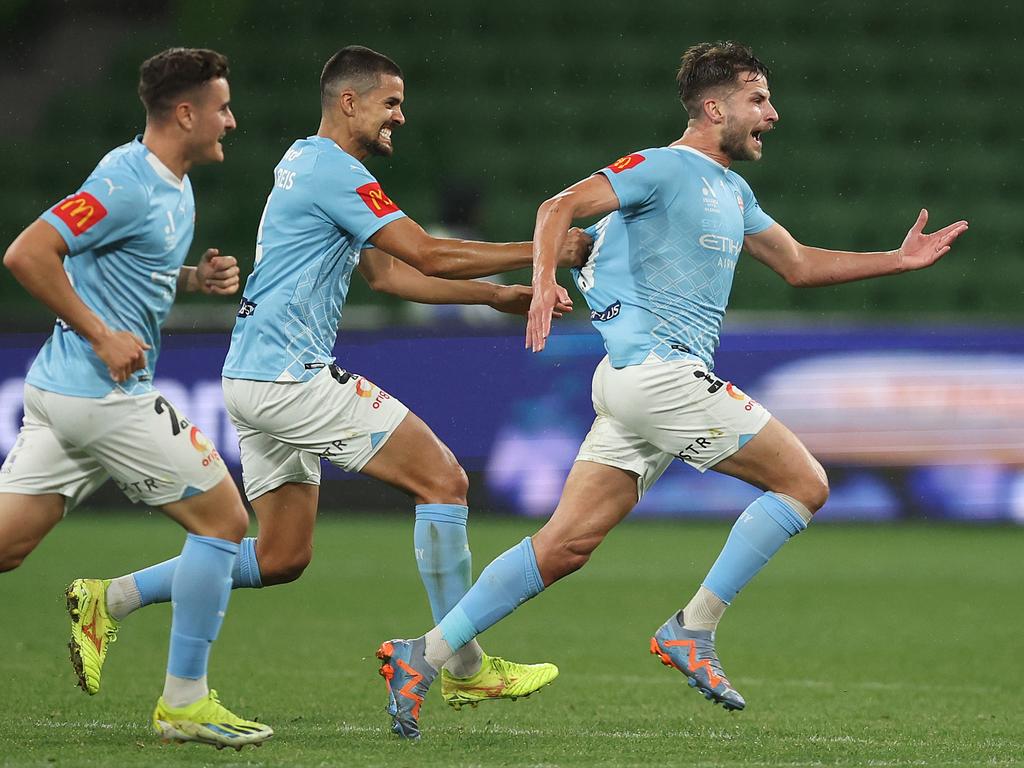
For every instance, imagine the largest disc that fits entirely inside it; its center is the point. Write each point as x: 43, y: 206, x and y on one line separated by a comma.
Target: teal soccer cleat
x: 408, y: 676
x: 692, y: 652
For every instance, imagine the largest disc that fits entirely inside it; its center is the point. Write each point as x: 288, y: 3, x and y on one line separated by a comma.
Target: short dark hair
x: 709, y: 65
x: 171, y: 73
x: 357, y: 65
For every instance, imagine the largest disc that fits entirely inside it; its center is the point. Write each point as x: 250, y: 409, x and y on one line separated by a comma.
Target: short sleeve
x: 754, y: 218
x: 349, y: 195
x: 105, y: 211
x: 638, y: 178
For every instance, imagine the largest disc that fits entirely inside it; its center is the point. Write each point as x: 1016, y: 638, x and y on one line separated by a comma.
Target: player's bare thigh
x: 415, y: 460
x: 24, y: 521
x: 775, y: 460
x: 217, y: 512
x: 595, y: 499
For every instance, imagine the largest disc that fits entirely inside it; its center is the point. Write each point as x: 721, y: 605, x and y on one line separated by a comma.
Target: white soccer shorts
x: 284, y: 429
x: 71, y: 445
x: 652, y: 413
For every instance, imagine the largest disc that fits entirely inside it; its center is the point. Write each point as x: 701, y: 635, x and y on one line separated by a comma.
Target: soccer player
x: 293, y: 406
x: 91, y: 411
x: 657, y: 282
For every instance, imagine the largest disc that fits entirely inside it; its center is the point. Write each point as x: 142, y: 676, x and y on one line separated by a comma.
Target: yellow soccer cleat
x: 207, y: 721
x: 92, y: 630
x: 497, y: 679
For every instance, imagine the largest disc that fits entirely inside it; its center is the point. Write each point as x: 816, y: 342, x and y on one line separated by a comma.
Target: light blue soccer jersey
x: 659, y: 276
x: 323, y: 208
x: 128, y: 231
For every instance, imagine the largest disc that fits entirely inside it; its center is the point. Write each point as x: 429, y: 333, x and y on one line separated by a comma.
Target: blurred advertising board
x: 909, y: 422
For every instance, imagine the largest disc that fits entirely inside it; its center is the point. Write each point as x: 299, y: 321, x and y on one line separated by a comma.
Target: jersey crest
x: 80, y: 212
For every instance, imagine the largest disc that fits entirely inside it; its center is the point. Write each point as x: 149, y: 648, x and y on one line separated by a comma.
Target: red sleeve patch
x: 80, y: 212
x: 627, y: 162
x: 379, y: 203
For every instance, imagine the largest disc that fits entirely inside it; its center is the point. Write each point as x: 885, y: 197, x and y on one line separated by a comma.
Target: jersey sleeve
x: 105, y: 211
x: 638, y: 178
x: 354, y: 200
x: 754, y: 218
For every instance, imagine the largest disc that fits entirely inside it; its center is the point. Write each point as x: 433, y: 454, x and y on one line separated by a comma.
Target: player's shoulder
x: 330, y: 160
x: 653, y: 156
x: 122, y: 171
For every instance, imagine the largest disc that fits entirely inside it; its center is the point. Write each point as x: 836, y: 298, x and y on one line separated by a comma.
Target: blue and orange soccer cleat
x: 692, y: 652
x: 408, y: 676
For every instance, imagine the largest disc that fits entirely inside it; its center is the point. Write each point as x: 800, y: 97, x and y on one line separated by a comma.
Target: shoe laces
x: 502, y: 668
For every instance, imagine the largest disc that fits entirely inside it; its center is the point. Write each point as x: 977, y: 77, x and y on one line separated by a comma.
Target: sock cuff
x: 247, y: 563
x: 443, y: 513
x: 534, y: 582
x: 211, y: 541
x: 782, y: 513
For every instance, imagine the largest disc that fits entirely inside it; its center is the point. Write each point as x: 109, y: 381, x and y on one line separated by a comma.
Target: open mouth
x: 757, y: 137
x: 385, y: 134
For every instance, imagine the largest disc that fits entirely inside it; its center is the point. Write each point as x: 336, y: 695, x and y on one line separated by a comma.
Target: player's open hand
x: 122, y: 352
x: 575, y: 248
x: 547, y: 299
x: 516, y: 299
x: 920, y: 250
x: 217, y: 274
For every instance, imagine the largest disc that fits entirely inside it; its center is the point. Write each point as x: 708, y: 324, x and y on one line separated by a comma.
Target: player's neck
x: 343, y: 139
x: 168, y: 151
x: 705, y: 143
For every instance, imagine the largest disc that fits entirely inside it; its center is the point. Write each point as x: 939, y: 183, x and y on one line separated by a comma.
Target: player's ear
x: 347, y: 102
x: 713, y: 111
x: 184, y: 115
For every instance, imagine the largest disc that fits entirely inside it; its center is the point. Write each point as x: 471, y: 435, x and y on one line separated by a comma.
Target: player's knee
x: 571, y: 555
x: 818, y: 490
x: 283, y: 567
x: 12, y: 557
x: 448, y: 484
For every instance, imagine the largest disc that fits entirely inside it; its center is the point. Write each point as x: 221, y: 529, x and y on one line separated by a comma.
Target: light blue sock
x: 442, y: 554
x: 759, y: 533
x: 200, y: 592
x: 154, y: 583
x: 510, y: 580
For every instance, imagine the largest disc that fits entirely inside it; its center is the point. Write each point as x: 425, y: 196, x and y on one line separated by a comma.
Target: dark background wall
x: 886, y: 107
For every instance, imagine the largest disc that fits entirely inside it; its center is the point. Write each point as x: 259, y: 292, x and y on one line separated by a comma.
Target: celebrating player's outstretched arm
x: 802, y: 265
x: 386, y: 274
x: 467, y: 259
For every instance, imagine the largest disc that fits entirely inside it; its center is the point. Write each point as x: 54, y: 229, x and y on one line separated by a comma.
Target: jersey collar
x: 162, y: 170
x: 698, y: 153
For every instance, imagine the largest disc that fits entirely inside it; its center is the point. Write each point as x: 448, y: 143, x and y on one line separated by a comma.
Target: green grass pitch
x: 857, y: 646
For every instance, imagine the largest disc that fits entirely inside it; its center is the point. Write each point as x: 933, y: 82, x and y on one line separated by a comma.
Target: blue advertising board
x: 908, y: 422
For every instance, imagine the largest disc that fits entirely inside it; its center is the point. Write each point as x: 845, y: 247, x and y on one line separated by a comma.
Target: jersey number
x: 159, y: 405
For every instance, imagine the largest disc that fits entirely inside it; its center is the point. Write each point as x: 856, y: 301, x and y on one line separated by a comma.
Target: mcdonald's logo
x: 79, y: 212
x: 376, y: 200
x: 627, y: 162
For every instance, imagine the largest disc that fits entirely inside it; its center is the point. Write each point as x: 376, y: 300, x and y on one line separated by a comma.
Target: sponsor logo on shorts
x: 364, y: 388
x: 627, y: 162
x: 730, y: 389
x: 80, y: 212
x: 203, y: 445
x: 378, y: 203
x: 128, y: 487
x: 734, y: 392
x: 607, y: 313
x: 694, y: 450
x: 333, y: 450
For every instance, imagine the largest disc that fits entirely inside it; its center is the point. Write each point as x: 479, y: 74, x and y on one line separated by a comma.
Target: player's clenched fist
x: 575, y: 248
x: 217, y: 274
x: 122, y: 352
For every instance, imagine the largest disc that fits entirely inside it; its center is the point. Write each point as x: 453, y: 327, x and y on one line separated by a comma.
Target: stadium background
x: 906, y: 386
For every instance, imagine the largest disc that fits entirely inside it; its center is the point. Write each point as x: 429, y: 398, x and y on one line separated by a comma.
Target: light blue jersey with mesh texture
x: 323, y: 208
x: 128, y: 231
x: 659, y: 276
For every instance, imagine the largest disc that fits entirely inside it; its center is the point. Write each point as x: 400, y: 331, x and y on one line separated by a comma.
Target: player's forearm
x: 188, y: 280
x: 468, y: 259
x: 820, y: 266
x: 436, y: 290
x: 554, y: 217
x: 43, y: 276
